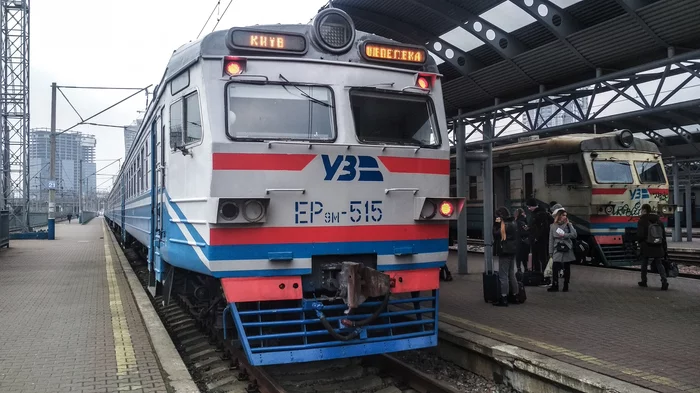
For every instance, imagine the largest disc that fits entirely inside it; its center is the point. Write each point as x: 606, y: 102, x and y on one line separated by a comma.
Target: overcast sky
x: 124, y: 43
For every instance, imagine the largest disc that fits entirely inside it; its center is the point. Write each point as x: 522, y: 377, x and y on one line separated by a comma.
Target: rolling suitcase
x: 492, y: 287
x: 532, y: 278
x: 521, y: 296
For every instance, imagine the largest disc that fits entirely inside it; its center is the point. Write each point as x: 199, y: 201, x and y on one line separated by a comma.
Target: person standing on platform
x: 651, y: 235
x: 69, y: 217
x: 561, y: 247
x: 506, y: 232
x: 524, y: 243
x: 539, y: 221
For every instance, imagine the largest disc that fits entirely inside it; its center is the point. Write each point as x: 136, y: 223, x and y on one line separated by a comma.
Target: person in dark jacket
x: 539, y: 221
x: 506, y: 231
x: 655, y: 252
x: 524, y: 243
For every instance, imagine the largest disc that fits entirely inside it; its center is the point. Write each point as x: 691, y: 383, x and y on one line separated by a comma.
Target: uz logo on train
x: 639, y: 194
x: 344, y: 168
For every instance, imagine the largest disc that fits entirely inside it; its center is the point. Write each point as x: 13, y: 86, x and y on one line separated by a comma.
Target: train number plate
x: 313, y: 212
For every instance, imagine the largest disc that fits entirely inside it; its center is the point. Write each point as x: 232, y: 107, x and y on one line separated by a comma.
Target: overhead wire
x: 222, y: 16
x: 218, y: 2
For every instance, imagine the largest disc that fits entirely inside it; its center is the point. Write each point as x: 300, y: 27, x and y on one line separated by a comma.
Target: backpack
x: 655, y: 234
x: 510, y: 245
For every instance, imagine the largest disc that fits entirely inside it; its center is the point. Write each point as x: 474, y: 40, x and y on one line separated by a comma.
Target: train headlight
x: 446, y: 209
x: 609, y: 209
x: 334, y: 30
x: 626, y: 138
x: 429, y: 210
x: 234, y: 66
x: 253, y: 210
x: 228, y: 211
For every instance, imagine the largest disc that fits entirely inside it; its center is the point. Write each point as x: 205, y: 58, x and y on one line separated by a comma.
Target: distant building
x: 562, y: 117
x: 71, y: 148
x: 130, y: 134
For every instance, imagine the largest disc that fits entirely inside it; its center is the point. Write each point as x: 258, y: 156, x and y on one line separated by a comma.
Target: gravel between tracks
x: 448, y: 372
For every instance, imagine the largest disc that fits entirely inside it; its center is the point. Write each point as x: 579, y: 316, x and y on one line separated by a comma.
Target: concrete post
x: 488, y: 199
x: 676, y: 201
x: 52, y: 168
x: 688, y: 211
x: 462, y: 265
x: 80, y: 191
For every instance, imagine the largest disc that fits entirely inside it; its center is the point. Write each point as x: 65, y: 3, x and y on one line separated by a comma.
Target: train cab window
x: 612, y: 172
x: 286, y: 112
x: 394, y: 118
x: 649, y: 172
x: 560, y: 174
x: 185, y: 122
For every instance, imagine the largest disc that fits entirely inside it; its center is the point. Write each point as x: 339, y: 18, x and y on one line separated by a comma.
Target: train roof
x: 570, y: 144
x: 214, y: 45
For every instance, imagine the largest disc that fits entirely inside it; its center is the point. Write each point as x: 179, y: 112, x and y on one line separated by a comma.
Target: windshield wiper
x: 303, y: 93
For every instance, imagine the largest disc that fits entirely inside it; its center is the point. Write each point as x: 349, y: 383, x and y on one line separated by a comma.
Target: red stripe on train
x: 608, y: 191
x: 429, y: 166
x: 612, y: 219
x: 326, y: 234
x: 260, y: 162
x: 658, y: 191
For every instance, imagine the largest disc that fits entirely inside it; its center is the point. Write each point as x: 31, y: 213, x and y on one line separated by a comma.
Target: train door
x: 528, y: 183
x: 159, y: 186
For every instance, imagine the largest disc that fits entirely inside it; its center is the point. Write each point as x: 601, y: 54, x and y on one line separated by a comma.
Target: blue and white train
x: 292, y: 182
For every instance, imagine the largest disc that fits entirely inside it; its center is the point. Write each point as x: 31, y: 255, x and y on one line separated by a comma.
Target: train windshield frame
x: 394, y: 118
x: 612, y: 172
x: 275, y: 111
x: 650, y: 172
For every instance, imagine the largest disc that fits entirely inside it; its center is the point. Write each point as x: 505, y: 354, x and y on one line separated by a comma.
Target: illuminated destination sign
x: 267, y: 41
x: 394, y: 53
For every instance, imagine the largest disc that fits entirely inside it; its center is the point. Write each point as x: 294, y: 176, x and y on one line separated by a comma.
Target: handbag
x: 671, y: 269
x: 548, y: 269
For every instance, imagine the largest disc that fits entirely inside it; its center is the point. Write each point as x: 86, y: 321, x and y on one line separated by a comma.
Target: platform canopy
x: 605, y: 63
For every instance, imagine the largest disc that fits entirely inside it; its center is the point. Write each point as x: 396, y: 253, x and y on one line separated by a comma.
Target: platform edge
x: 523, y: 369
x: 176, y: 373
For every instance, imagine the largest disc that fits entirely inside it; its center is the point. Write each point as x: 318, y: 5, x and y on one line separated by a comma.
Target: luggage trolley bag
x: 492, y: 287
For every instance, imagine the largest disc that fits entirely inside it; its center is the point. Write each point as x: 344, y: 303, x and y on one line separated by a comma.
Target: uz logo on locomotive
x: 368, y: 168
x: 639, y: 194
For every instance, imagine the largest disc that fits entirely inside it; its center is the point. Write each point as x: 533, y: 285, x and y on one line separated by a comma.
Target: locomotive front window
x: 649, y: 172
x: 612, y: 172
x: 275, y: 111
x: 382, y: 117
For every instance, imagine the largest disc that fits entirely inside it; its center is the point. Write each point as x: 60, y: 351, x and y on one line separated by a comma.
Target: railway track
x: 220, y: 366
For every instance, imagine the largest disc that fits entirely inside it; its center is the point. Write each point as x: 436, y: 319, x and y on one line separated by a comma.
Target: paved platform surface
x: 68, y: 320
x: 606, y: 323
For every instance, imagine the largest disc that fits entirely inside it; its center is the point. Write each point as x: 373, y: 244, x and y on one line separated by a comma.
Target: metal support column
x: 462, y: 265
x: 688, y: 211
x: 676, y: 237
x: 52, y: 168
x: 488, y: 198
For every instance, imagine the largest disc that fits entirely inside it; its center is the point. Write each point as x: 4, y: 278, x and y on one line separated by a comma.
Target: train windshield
x: 394, y: 118
x: 275, y: 111
x: 650, y: 172
x: 612, y: 172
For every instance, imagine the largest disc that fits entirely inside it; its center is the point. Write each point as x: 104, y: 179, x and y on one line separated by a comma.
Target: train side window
x: 176, y: 125
x: 193, y: 119
x: 553, y: 174
x: 472, y: 188
x: 571, y: 174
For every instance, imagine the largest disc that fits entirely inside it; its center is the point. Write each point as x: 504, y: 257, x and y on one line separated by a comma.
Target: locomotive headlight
x: 334, y: 30
x: 228, y: 211
x: 609, y: 209
x: 429, y: 210
x: 446, y: 209
x: 253, y: 210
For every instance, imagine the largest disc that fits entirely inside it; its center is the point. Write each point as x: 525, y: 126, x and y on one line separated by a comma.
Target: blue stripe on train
x: 306, y: 250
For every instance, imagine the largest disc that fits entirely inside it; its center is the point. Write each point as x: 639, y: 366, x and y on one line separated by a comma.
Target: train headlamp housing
x: 234, y: 66
x: 241, y: 211
x: 427, y: 209
x: 625, y: 138
x: 334, y: 30
x: 666, y: 209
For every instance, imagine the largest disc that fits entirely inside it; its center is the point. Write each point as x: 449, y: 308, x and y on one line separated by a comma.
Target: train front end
x: 626, y: 173
x: 330, y: 202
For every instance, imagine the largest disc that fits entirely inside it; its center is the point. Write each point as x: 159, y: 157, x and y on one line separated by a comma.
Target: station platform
x: 606, y: 323
x: 69, y: 321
